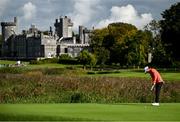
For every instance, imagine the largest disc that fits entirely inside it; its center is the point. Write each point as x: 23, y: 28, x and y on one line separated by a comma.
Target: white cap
x: 146, y: 69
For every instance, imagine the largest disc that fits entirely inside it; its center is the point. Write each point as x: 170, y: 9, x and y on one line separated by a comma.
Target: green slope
x: 95, y: 112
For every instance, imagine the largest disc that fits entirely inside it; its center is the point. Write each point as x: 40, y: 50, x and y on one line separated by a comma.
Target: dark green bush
x: 35, y: 62
x: 45, y: 61
x: 68, y: 61
x: 65, y: 56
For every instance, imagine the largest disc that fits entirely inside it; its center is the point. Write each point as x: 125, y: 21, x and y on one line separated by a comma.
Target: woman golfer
x: 157, y: 83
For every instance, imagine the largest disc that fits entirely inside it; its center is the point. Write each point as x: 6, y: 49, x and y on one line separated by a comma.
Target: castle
x: 33, y: 43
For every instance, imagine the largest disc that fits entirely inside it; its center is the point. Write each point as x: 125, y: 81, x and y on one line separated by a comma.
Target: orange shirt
x: 156, y: 77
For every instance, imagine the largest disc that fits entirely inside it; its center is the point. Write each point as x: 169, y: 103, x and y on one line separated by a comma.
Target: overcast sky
x: 90, y: 13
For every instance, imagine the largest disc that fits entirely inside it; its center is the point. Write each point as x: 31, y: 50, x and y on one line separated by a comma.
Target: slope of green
x: 87, y: 112
x: 167, y: 76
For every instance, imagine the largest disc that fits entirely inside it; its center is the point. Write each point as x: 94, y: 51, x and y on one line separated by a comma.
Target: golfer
x: 157, y: 83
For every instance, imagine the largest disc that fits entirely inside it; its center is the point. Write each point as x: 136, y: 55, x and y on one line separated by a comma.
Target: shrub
x: 65, y: 56
x: 45, y: 61
x: 68, y: 61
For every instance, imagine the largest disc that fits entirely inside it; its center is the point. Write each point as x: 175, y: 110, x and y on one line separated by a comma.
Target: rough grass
x: 72, y: 84
x: 35, y: 87
x: 90, y: 112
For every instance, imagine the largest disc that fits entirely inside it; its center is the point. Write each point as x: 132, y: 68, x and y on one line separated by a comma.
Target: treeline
x: 125, y: 45
x: 122, y: 44
x: 35, y: 87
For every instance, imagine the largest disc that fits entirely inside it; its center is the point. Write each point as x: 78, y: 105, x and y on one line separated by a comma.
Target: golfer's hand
x: 152, y: 88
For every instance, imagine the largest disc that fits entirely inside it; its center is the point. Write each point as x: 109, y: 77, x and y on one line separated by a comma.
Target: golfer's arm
x: 153, y: 85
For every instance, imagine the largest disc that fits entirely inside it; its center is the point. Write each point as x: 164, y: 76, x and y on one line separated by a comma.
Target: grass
x: 167, y: 76
x: 90, y: 112
x: 93, y: 112
x: 7, y: 62
x: 50, y: 65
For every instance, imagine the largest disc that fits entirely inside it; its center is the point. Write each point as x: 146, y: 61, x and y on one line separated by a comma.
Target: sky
x: 89, y: 13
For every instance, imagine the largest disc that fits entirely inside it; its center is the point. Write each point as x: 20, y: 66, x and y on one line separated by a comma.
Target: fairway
x: 91, y: 112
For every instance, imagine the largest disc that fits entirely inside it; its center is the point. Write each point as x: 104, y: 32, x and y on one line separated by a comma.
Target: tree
x: 97, y: 38
x: 156, y: 47
x: 154, y: 28
x: 121, y: 43
x: 87, y: 58
x: 102, y: 56
x: 100, y: 44
x: 171, y: 30
x: 137, y: 48
x: 92, y: 60
x: 118, y: 33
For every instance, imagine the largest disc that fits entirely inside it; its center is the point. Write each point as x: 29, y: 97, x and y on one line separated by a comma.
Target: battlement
x: 8, y: 24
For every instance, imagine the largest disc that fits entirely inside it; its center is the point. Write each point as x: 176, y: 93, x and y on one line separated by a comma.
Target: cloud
x: 3, y: 5
x: 29, y: 10
x: 126, y: 14
x: 83, y: 11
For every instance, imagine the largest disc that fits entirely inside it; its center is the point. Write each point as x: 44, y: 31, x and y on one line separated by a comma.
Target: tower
x: 81, y: 34
x: 8, y: 29
x: 84, y: 35
x: 63, y: 27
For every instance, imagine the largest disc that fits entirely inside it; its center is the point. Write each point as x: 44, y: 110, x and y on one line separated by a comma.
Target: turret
x: 8, y: 29
x: 63, y: 27
x: 81, y: 34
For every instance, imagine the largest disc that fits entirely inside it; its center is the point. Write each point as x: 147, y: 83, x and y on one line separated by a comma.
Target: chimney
x: 15, y: 20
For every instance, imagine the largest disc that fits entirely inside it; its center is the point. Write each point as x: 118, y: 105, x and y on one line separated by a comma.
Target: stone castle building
x: 33, y: 43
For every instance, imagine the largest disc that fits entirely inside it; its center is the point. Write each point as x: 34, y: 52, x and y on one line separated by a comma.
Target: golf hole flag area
x: 90, y: 112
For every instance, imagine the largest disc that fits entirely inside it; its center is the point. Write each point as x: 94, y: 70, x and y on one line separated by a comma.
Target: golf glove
x: 152, y: 87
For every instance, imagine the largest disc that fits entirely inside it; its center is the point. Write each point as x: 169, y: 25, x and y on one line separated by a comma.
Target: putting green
x: 91, y: 112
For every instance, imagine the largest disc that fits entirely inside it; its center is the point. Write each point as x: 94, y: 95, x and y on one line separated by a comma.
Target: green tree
x: 97, y: 38
x: 171, y: 30
x: 121, y: 43
x: 102, y: 55
x: 137, y: 48
x: 120, y: 32
x: 99, y: 45
x: 92, y: 60
x: 156, y: 47
x: 87, y: 58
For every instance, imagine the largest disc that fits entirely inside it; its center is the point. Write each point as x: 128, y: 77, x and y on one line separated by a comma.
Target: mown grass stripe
x: 90, y: 112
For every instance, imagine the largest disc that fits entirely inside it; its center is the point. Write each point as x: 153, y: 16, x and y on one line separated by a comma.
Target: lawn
x: 7, y: 62
x: 50, y: 65
x: 167, y: 76
x: 91, y: 112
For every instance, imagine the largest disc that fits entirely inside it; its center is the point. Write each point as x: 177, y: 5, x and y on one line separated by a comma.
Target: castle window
x: 65, y: 50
